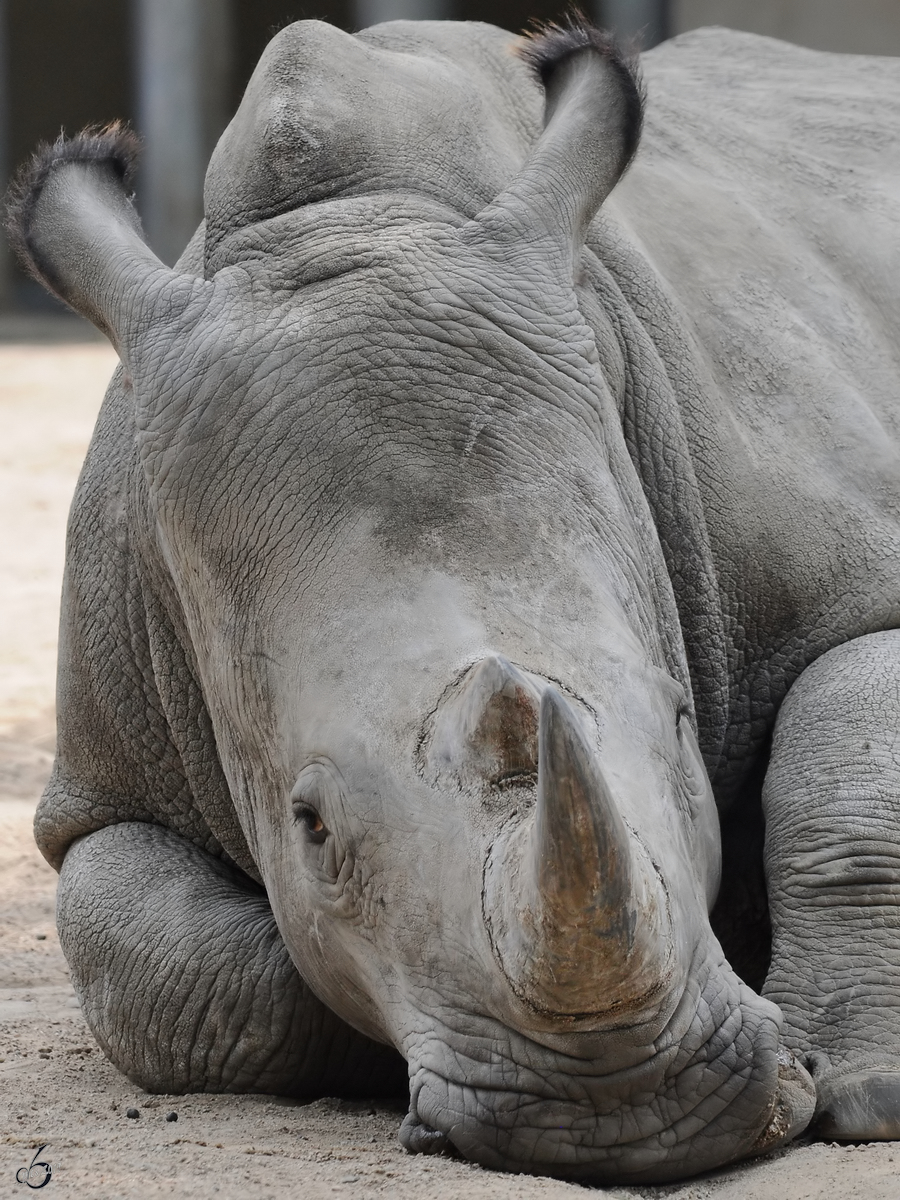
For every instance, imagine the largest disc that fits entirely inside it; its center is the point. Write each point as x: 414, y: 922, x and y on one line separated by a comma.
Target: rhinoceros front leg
x: 185, y: 981
x: 832, y: 804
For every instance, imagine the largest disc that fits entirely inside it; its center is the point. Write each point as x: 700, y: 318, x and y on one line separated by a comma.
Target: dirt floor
x: 56, y: 1089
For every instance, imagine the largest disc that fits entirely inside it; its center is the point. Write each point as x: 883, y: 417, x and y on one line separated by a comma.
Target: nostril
x: 416, y: 1138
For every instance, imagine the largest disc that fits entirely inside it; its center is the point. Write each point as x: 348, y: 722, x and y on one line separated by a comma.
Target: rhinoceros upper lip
x: 576, y: 1137
x: 584, y: 1095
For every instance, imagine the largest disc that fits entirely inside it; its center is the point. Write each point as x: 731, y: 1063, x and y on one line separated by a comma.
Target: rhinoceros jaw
x: 577, y: 913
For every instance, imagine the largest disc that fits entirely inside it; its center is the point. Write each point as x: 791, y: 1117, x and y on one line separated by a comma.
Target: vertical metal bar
x: 183, y: 75
x: 373, y: 12
x: 645, y: 22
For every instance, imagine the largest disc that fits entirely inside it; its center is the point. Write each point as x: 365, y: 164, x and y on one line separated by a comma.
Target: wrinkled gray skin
x: 418, y: 548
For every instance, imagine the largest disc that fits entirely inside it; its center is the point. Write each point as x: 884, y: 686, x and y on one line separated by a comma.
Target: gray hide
x: 419, y: 549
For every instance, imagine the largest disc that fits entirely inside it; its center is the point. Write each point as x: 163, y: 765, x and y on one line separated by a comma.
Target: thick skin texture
x: 833, y: 864
x: 445, y: 548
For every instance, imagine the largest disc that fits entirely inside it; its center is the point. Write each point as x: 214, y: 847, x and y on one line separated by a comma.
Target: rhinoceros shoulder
x: 755, y: 240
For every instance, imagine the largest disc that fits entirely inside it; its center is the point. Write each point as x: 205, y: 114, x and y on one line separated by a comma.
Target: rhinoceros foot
x: 417, y: 1138
x: 862, y: 1106
x: 795, y: 1104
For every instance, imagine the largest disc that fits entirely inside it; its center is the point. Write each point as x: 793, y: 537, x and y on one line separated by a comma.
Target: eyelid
x: 316, y: 798
x: 316, y: 829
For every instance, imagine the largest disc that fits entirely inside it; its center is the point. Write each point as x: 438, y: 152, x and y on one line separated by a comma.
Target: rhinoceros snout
x: 704, y: 1096
x: 577, y: 915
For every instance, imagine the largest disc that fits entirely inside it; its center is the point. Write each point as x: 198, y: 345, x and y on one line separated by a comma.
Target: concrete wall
x: 851, y: 26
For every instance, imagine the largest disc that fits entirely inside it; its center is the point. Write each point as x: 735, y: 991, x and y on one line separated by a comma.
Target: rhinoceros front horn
x: 576, y: 911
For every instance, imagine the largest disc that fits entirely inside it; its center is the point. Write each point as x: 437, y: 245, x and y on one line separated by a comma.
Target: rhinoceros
x: 480, y: 665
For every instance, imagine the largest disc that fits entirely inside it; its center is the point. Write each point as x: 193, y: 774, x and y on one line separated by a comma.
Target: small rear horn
x: 486, y: 731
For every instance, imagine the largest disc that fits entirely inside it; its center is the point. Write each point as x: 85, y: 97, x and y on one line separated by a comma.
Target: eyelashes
x: 318, y: 790
x: 311, y: 821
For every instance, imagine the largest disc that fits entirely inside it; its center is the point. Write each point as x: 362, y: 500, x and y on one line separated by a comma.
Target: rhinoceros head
x: 387, y: 483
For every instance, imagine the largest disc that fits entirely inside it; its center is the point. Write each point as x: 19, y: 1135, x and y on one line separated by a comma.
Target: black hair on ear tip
x: 114, y: 144
x: 547, y: 46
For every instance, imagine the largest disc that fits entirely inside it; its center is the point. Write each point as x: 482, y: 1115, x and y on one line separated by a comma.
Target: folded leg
x: 185, y: 981
x: 832, y: 806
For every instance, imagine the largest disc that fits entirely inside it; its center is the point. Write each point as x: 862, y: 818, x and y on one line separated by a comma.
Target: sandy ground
x: 56, y: 1088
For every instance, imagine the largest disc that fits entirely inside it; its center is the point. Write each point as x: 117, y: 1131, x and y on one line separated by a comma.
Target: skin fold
x: 478, y: 655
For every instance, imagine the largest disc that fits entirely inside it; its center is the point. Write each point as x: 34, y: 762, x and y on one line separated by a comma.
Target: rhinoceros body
x: 433, y: 528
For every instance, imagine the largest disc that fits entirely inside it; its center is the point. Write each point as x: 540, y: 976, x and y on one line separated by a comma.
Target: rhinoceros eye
x: 311, y: 822
x: 318, y: 788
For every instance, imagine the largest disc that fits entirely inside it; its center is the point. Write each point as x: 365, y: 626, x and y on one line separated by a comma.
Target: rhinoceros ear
x: 71, y: 220
x: 592, y: 126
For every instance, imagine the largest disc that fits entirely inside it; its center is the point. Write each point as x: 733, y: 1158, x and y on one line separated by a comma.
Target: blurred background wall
x: 850, y: 26
x: 175, y: 69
